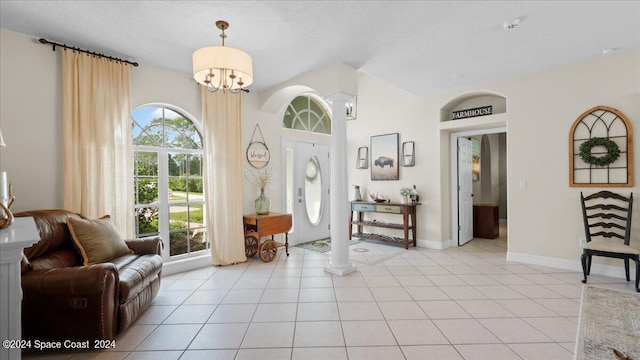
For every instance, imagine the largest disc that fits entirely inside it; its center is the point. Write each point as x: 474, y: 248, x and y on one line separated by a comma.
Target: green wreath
x: 613, y: 151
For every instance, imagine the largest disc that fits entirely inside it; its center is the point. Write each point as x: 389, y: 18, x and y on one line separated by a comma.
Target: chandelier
x: 223, y: 68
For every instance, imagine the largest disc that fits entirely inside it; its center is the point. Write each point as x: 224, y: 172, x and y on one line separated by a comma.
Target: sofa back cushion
x: 54, y: 234
x: 97, y: 240
x: 57, y: 259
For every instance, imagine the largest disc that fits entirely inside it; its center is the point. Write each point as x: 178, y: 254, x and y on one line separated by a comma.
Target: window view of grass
x: 168, y: 141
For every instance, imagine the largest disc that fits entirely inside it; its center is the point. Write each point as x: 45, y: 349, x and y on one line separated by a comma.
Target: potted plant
x: 404, y: 193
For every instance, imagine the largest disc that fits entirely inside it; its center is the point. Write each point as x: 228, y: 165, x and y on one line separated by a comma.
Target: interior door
x: 465, y: 192
x: 312, y: 192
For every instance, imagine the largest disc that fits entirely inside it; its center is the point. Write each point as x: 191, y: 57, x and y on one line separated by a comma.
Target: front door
x: 465, y: 192
x: 312, y: 179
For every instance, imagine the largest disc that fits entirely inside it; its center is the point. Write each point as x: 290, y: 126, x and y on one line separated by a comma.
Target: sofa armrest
x: 77, y: 303
x: 146, y: 246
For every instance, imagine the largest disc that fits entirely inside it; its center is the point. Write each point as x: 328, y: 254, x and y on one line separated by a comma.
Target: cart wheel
x: 251, y: 243
x: 268, y: 251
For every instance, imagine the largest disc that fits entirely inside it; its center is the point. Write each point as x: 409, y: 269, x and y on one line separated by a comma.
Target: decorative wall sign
x: 601, y: 149
x: 467, y: 113
x: 384, y: 157
x: 257, y: 152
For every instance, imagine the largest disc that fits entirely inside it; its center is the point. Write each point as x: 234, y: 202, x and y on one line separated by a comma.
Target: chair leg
x: 583, y: 259
x: 626, y: 269
x: 589, y: 264
x: 637, y: 260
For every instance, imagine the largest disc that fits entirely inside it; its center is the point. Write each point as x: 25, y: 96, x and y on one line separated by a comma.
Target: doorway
x: 307, y: 183
x: 487, y: 182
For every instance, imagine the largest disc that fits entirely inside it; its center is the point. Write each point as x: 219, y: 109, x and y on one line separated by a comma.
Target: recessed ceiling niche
x: 471, y: 101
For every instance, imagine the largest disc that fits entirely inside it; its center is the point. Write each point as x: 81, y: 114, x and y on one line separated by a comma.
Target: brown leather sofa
x: 64, y: 299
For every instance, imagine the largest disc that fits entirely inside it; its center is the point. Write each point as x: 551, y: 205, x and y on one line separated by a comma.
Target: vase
x: 262, y: 203
x: 404, y: 199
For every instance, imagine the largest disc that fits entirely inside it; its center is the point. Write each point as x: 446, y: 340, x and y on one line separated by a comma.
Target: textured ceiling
x: 423, y: 47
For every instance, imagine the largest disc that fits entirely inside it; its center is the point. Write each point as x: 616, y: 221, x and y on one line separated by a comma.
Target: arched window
x: 307, y: 114
x: 167, y: 151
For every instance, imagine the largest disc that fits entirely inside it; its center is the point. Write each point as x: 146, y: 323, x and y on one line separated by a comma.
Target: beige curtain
x: 222, y: 125
x: 96, y: 130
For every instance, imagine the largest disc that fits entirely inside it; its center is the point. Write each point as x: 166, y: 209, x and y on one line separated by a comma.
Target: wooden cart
x: 258, y: 226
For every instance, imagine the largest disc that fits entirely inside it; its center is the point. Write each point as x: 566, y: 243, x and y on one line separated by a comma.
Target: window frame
x: 163, y: 204
x: 307, y: 126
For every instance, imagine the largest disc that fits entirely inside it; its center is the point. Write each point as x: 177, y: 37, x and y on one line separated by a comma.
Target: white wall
x: 30, y: 119
x: 150, y: 84
x: 382, y: 109
x: 545, y: 218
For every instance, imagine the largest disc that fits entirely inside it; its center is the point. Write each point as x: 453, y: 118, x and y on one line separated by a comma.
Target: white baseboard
x: 435, y: 245
x: 182, y: 265
x: 573, y: 265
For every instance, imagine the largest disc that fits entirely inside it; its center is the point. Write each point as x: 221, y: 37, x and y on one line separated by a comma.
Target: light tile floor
x: 460, y: 303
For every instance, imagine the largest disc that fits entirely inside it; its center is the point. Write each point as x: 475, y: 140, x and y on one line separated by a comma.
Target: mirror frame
x: 362, y: 160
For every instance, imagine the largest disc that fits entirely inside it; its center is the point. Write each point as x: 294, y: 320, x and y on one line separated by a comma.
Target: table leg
x: 286, y: 243
x: 414, y: 226
x: 405, y: 218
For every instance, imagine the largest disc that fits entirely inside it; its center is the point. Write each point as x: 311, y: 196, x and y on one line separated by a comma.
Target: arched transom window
x: 167, y: 150
x: 307, y: 114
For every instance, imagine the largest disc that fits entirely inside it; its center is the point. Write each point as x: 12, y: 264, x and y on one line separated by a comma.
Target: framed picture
x: 384, y: 157
x: 475, y: 159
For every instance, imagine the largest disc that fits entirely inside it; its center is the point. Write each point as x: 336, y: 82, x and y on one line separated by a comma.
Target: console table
x: 13, y: 239
x: 408, y: 212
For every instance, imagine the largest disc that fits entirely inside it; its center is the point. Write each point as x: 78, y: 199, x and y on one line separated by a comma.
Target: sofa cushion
x: 53, y: 229
x: 136, y: 272
x: 57, y: 259
x: 97, y: 240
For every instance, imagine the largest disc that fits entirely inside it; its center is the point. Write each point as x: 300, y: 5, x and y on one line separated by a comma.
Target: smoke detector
x: 511, y: 24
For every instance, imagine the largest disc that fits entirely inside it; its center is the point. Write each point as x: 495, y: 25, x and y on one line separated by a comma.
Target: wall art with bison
x: 384, y: 157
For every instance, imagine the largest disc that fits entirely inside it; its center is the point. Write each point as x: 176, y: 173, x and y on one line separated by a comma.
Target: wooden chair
x: 608, y: 215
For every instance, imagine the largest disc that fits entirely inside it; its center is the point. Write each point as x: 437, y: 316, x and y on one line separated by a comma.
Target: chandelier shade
x: 221, y: 67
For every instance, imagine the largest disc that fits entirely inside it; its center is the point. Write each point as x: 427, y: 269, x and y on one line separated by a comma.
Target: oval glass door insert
x: 313, y: 190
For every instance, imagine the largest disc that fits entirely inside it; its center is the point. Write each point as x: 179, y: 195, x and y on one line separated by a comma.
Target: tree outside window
x: 168, y: 179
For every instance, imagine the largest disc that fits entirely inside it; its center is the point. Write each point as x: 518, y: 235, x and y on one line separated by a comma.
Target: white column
x: 339, y: 262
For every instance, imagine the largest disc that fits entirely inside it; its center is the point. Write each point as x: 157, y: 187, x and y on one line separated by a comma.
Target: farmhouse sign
x: 257, y: 151
x: 467, y: 113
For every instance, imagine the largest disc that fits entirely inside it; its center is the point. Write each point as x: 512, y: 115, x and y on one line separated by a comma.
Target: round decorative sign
x: 257, y: 151
x: 613, y: 151
x: 258, y: 155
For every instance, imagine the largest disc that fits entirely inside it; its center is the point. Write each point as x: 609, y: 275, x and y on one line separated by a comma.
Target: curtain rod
x: 45, y: 42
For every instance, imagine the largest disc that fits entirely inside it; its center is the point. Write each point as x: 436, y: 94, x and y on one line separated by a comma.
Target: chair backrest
x: 607, y: 214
